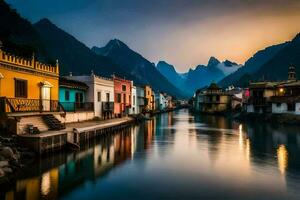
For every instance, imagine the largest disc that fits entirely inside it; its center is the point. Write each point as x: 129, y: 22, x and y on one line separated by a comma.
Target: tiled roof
x: 64, y: 82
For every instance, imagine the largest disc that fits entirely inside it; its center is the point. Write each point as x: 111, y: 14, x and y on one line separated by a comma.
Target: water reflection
x: 175, y: 155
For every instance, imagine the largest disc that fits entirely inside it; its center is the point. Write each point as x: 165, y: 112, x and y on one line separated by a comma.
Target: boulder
x: 4, y: 163
x: 7, y: 170
x: 8, y: 153
x: 2, y: 173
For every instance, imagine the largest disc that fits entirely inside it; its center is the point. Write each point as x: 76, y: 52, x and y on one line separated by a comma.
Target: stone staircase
x: 36, y: 121
x: 52, y: 122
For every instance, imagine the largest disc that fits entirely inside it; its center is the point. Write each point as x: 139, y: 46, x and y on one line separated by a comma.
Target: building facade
x: 140, y: 94
x: 72, y: 95
x: 212, y: 100
x: 134, y: 109
x: 149, y: 99
x: 27, y: 84
x: 100, y: 92
x: 161, y: 102
x: 122, y: 96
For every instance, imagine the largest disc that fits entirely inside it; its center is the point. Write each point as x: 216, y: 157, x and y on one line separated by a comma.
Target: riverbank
x: 288, y: 119
x: 13, y: 157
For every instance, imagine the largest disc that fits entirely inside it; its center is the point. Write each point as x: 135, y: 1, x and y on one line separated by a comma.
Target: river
x: 176, y: 155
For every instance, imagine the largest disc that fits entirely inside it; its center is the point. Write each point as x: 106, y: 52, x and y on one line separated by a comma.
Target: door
x: 79, y: 100
x: 45, y: 97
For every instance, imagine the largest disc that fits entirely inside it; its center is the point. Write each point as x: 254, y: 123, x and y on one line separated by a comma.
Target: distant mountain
x: 17, y: 34
x: 277, y: 67
x: 72, y: 54
x: 143, y: 71
x: 242, y: 75
x: 199, y: 77
x: 170, y: 73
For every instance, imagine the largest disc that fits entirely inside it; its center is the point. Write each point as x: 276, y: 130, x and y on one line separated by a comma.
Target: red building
x: 122, y: 93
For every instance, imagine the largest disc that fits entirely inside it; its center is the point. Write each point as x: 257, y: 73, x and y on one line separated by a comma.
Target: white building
x: 161, y: 102
x: 101, y: 92
x: 140, y: 103
x: 134, y: 109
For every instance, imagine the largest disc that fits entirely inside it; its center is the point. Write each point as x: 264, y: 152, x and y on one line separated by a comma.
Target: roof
x: 285, y: 99
x: 290, y: 84
x: 263, y: 85
x: 64, y: 82
x: 214, y: 86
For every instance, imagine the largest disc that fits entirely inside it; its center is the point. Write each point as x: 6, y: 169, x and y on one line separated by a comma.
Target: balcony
x: 20, y: 105
x: 77, y: 107
x: 108, y: 106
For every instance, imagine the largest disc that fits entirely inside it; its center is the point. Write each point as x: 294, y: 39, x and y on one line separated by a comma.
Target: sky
x: 184, y: 33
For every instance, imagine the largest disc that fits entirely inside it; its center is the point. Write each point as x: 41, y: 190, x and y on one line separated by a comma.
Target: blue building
x: 72, y: 95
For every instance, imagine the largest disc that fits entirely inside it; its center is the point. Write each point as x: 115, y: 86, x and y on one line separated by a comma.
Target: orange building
x: 122, y: 93
x: 27, y: 84
x: 150, y: 98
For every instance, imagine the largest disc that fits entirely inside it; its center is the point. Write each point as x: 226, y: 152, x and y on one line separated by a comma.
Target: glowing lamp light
x: 281, y: 90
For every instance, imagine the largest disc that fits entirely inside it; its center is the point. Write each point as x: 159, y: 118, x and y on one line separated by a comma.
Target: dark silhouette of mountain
x: 17, y: 34
x: 170, y: 73
x: 72, y: 54
x: 202, y: 75
x: 143, y: 71
x: 242, y: 75
x: 277, y: 68
x: 199, y: 77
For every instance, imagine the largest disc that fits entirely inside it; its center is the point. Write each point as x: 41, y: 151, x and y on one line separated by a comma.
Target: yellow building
x: 27, y: 84
x: 150, y: 98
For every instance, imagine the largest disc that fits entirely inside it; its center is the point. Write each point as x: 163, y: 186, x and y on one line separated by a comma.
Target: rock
x: 2, y: 173
x: 7, y: 153
x: 7, y: 170
x: 4, y: 163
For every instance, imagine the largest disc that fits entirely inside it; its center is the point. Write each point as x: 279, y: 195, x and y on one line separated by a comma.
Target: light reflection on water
x: 175, y: 155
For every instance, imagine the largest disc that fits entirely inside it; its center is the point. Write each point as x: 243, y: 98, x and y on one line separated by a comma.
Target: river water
x: 174, y: 156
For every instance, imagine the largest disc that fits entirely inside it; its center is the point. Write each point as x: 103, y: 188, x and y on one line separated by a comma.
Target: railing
x: 257, y: 101
x: 13, y: 105
x: 75, y: 106
x: 107, y: 106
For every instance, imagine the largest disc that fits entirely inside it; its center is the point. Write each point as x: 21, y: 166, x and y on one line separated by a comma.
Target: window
x: 107, y: 97
x: 278, y: 104
x: 124, y: 98
x: 79, y: 97
x: 118, y: 98
x: 218, y: 98
x: 133, y: 100
x: 99, y: 96
x: 67, y: 95
x: 291, y: 107
x: 20, y: 88
x: 123, y: 87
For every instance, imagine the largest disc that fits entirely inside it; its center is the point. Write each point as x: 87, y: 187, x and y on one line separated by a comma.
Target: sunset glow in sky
x: 184, y: 33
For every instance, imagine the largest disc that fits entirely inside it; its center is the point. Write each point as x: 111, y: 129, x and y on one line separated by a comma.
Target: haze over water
x: 174, y: 156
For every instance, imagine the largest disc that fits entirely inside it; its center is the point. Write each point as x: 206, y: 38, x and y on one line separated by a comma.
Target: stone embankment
x: 272, y: 118
x: 12, y: 158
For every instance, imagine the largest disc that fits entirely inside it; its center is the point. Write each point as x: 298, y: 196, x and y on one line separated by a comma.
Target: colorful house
x: 122, y: 93
x: 213, y: 100
x: 72, y: 95
x: 100, y: 92
x: 150, y: 99
x: 140, y: 99
x: 27, y: 84
x: 134, y: 109
x: 161, y: 102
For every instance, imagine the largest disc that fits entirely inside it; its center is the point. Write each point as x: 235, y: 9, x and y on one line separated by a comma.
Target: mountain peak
x: 116, y: 43
x: 44, y: 21
x: 213, y: 62
x: 228, y: 63
x: 297, y: 37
